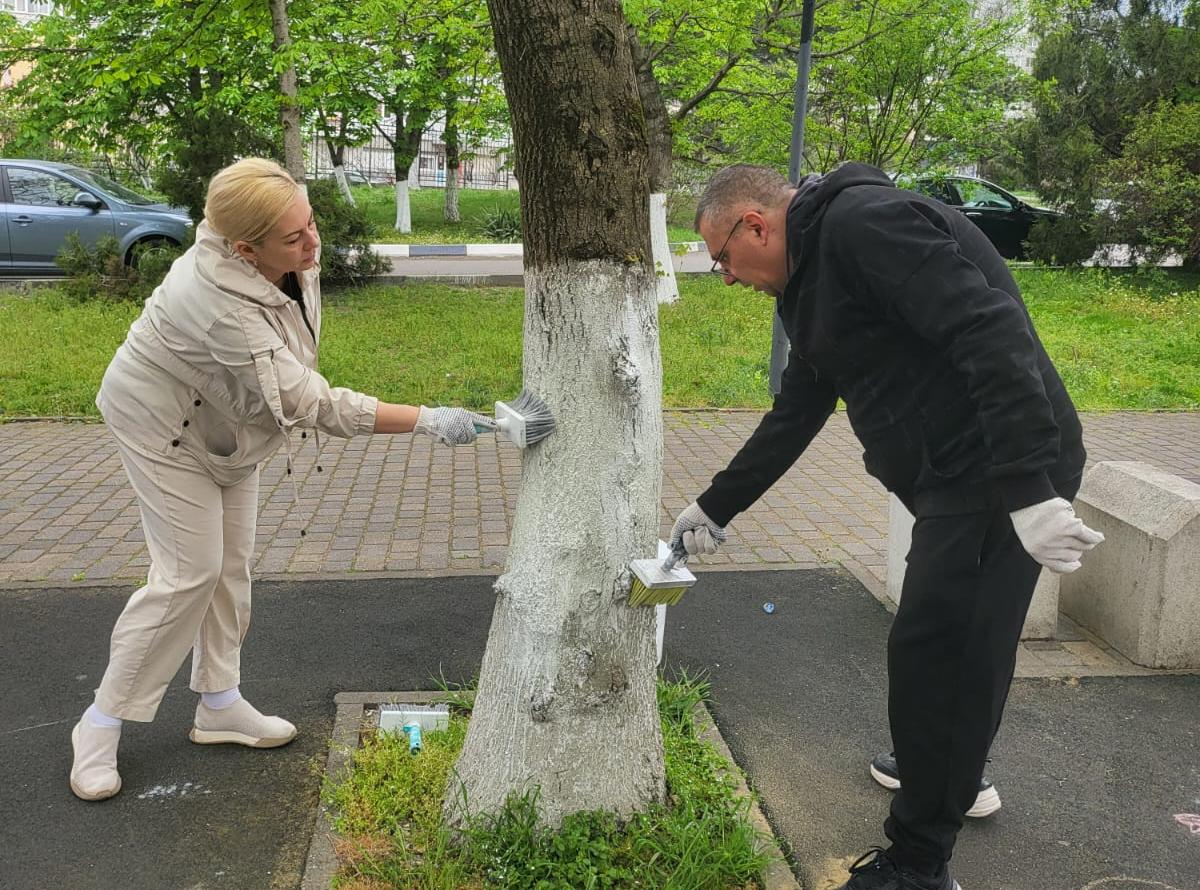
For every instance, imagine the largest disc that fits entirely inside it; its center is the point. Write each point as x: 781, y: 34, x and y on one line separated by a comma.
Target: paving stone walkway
x: 400, y: 505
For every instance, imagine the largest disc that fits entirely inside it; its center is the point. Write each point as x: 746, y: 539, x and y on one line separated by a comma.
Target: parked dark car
x: 41, y: 202
x: 1002, y: 216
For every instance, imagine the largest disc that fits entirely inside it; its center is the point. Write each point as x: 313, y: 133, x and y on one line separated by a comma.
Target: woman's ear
x: 246, y: 251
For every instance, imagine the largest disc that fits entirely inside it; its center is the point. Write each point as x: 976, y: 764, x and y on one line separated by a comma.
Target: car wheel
x: 148, y: 247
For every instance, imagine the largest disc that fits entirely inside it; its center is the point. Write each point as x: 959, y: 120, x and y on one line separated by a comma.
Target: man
x: 900, y: 306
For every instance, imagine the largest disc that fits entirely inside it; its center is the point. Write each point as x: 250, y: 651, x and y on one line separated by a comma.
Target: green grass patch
x: 429, y: 223
x: 1120, y: 340
x: 389, y: 815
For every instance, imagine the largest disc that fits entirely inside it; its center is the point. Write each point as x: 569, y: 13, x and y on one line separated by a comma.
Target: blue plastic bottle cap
x: 768, y: 608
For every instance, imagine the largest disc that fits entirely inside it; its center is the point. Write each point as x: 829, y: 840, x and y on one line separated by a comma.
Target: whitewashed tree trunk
x: 451, y: 209
x: 660, y: 245
x: 403, y: 208
x: 566, y: 699
x: 339, y: 174
x: 566, y: 702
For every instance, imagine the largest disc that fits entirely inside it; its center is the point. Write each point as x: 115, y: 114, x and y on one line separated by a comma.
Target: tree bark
x: 566, y: 702
x: 450, y: 139
x: 289, y: 106
x: 658, y: 133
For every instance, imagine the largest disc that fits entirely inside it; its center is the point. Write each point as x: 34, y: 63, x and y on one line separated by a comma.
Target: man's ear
x: 756, y: 223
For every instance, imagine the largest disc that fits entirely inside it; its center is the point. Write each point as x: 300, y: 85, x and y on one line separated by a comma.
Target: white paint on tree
x: 567, y: 687
x: 660, y: 249
x: 339, y: 174
x: 403, y: 207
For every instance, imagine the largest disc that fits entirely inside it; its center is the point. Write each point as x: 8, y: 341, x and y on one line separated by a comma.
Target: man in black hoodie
x: 900, y: 306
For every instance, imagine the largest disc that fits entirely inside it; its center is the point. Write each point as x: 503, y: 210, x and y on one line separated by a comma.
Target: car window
x: 941, y: 189
x: 976, y: 194
x: 40, y: 188
x: 129, y: 196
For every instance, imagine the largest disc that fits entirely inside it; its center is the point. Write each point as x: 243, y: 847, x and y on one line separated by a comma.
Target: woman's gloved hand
x: 451, y: 426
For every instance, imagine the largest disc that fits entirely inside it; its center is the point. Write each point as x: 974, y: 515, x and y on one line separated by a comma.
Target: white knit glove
x: 698, y: 533
x: 451, y: 426
x: 1053, y: 535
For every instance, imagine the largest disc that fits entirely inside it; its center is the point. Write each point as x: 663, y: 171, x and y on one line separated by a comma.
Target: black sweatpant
x: 951, y: 656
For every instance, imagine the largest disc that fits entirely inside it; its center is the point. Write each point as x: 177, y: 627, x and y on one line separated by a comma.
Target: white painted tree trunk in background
x: 339, y: 173
x: 566, y: 699
x: 660, y: 247
x: 451, y: 208
x: 403, y: 208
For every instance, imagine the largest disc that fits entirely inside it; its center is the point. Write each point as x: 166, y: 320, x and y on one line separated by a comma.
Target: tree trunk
x: 566, y: 701
x: 450, y: 138
x: 659, y: 138
x: 337, y: 155
x: 405, y: 149
x: 289, y: 105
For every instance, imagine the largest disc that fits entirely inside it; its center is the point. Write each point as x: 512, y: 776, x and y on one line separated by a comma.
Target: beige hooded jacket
x: 221, y: 365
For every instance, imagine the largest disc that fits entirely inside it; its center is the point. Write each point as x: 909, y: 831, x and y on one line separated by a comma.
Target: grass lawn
x: 430, y: 226
x: 1121, y: 341
x: 389, y: 816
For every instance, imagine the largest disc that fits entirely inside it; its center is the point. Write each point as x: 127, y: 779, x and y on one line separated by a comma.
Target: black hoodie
x: 901, y: 306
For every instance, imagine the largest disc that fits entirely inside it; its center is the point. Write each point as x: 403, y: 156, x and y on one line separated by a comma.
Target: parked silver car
x: 41, y: 202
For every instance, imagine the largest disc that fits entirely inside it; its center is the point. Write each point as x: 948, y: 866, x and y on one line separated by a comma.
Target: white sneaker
x: 240, y: 724
x: 94, y: 773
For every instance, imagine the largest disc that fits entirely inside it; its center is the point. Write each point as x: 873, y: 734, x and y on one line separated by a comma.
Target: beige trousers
x: 197, y: 594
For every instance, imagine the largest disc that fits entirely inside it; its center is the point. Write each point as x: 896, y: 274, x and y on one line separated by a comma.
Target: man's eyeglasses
x: 719, y: 262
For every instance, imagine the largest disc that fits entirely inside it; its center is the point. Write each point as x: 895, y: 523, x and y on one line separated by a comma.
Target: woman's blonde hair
x: 247, y: 198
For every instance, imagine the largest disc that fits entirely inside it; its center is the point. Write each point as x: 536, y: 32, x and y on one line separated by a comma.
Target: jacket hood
x: 810, y: 201
x: 218, y: 263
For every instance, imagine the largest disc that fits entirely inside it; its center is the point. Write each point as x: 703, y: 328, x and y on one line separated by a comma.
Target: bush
x: 500, y: 224
x: 101, y: 273
x: 1066, y: 241
x: 346, y: 255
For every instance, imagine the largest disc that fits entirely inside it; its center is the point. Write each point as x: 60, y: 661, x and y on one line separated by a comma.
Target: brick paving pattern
x: 401, y: 505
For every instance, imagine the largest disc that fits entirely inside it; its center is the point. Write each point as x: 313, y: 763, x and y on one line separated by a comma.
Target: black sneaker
x: 883, y: 771
x: 875, y: 870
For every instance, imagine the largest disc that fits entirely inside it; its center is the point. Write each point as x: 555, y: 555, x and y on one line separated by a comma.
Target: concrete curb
x: 321, y: 863
x: 483, y: 250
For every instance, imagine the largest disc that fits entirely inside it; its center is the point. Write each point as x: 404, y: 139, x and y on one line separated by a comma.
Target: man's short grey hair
x: 740, y: 187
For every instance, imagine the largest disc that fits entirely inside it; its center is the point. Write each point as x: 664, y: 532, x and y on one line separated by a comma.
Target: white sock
x: 217, y: 701
x: 98, y: 718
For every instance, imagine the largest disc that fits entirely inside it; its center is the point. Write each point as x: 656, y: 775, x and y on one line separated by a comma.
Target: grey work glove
x: 1053, y: 535
x: 698, y: 533
x: 451, y: 426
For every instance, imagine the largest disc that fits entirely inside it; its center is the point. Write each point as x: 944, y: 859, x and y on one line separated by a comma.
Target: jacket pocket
x: 894, y: 454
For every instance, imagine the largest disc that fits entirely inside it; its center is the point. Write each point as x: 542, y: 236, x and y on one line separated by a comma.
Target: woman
x: 214, y: 377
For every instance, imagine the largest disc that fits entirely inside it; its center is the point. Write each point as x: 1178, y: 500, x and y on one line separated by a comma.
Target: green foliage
x: 1121, y: 341
x: 390, y: 805
x: 500, y: 224
x: 1154, y: 188
x: 1115, y: 123
x: 1066, y: 241
x: 101, y: 272
x: 893, y: 82
x: 346, y: 255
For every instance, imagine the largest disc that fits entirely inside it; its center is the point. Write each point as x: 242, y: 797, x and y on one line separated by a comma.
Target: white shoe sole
x: 215, y: 737
x: 986, y: 802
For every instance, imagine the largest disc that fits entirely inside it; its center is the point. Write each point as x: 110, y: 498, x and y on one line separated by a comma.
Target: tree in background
x: 1113, y: 127
x: 188, y: 81
x: 566, y: 697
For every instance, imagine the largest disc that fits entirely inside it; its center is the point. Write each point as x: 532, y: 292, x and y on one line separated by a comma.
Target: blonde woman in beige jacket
x: 215, y: 376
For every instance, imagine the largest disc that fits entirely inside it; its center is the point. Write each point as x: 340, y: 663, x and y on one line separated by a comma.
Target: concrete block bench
x: 1040, y: 623
x: 1139, y: 591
